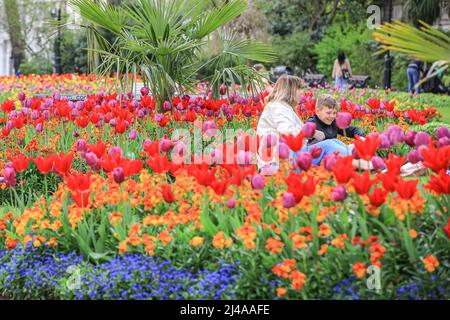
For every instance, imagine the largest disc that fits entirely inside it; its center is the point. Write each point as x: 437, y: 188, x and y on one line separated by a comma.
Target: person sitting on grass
x: 280, y: 118
x: 327, y: 129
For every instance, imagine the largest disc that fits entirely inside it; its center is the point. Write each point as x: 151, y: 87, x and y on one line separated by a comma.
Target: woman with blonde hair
x: 280, y: 118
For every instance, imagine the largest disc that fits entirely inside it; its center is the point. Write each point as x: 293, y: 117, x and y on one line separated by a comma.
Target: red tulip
x: 362, y: 183
x: 81, y: 198
x: 63, y: 163
x: 439, y: 184
x: 367, y: 148
x: 295, y: 143
x: 447, y: 228
x: 44, y: 165
x: 220, y: 187
x: 99, y: 149
x: 20, y: 162
x: 378, y: 197
x: 78, y: 181
x: 388, y: 180
x: 406, y: 189
x: 167, y: 193
x: 343, y: 169
x: 436, y: 159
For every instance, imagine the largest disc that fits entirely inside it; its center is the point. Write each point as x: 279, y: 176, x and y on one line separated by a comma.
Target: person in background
x: 342, y: 71
x: 415, y: 67
x: 262, y: 71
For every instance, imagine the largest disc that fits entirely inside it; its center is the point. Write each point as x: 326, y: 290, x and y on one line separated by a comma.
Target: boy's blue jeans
x: 328, y: 146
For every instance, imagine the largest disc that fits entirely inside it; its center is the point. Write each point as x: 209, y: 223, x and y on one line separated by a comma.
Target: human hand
x: 319, y: 135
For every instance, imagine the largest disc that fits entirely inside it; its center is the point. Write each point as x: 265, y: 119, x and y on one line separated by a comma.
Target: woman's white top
x: 277, y: 118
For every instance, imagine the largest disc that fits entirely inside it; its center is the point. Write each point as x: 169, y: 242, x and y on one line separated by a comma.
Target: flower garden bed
x: 96, y: 189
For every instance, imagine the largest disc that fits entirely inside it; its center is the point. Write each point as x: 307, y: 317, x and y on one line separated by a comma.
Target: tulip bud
x: 258, y: 182
x: 288, y: 200
x: 309, y: 128
x: 343, y: 120
x: 283, y: 151
x: 81, y: 145
x: 442, y: 142
x: 115, y: 151
x: 145, y: 91
x: 414, y: 156
x: 222, y: 89
x: 304, y: 160
x: 167, y: 106
x: 231, y: 203
x: 395, y: 135
x: 132, y: 135
x: 421, y: 139
x: 378, y: 163
x: 339, y: 193
x: 118, y: 175
x: 316, y: 152
x: 409, y: 138
x: 442, y: 132
x: 91, y: 159
x: 21, y: 96
x: 165, y: 145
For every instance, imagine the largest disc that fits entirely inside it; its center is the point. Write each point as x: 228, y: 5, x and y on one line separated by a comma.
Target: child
x: 325, y: 120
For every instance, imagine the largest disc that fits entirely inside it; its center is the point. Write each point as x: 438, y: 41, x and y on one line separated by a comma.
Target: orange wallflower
x: 323, y: 250
x: 165, y: 237
x: 115, y: 217
x: 274, y: 245
x: 324, y: 230
x: 431, y: 263
x: 196, y: 241
x: 413, y: 233
x: 339, y: 242
x: 359, y: 269
x: 298, y: 241
x: 298, y: 279
x: 281, y: 292
x: 220, y: 242
x: 123, y: 247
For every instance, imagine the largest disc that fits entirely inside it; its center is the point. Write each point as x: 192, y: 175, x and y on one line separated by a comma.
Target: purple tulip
x: 409, y: 137
x: 145, y: 91
x: 132, y: 135
x: 283, y: 151
x: 165, y: 145
x: 288, y: 200
x: 442, y: 142
x: 9, y: 176
x: 414, y: 156
x: 231, y: 203
x: 385, y: 141
x: 115, y: 151
x: 378, y: 163
x: 329, y: 161
x: 304, y: 160
x: 395, y: 135
x: 258, y: 182
x: 442, y: 132
x: 309, y: 128
x: 91, y: 159
x: 316, y: 152
x: 339, y: 193
x: 39, y: 127
x: 81, y: 145
x: 21, y: 96
x: 118, y: 175
x: 421, y: 139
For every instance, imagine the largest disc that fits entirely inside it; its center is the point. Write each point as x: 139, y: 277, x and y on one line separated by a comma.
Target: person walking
x: 342, y: 71
x: 415, y: 67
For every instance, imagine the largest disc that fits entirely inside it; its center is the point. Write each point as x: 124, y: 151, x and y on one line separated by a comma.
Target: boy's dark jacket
x: 331, y: 131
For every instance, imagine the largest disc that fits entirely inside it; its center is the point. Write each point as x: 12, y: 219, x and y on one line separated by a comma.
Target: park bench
x: 358, y: 81
x: 315, y: 80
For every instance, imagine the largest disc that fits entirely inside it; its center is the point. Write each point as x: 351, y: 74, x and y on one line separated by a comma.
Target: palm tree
x: 426, y: 43
x: 164, y: 40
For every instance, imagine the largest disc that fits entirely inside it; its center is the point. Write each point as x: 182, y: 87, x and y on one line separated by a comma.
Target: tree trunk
x: 15, y: 32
